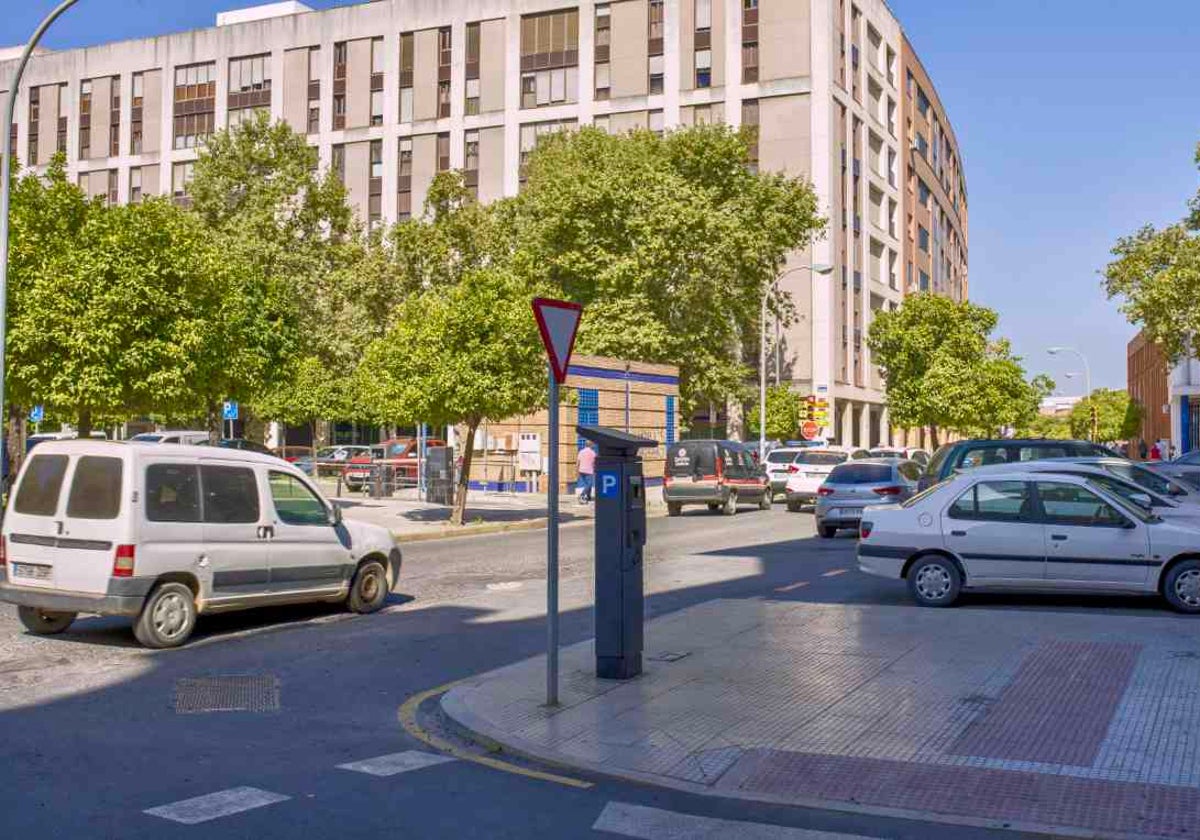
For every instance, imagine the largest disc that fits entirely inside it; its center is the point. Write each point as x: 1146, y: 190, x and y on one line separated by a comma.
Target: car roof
x: 1012, y: 474
x: 145, y: 451
x: 883, y: 461
x: 1043, y: 465
x: 1017, y: 441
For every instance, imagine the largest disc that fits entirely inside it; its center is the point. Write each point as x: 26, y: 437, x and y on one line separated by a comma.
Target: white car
x: 920, y: 456
x: 1032, y: 531
x: 188, y: 437
x: 809, y: 469
x: 163, y: 533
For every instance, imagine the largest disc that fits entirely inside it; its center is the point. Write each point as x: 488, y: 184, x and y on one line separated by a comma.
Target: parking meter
x: 620, y: 538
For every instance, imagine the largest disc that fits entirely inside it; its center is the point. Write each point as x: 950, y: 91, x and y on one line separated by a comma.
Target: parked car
x: 719, y: 474
x: 243, y: 444
x: 1141, y: 475
x: 854, y: 485
x: 399, y: 455
x: 292, y: 454
x: 778, y: 461
x: 166, y: 533
x: 810, y: 468
x: 1033, y: 531
x: 185, y: 437
x: 330, y: 460
x: 1185, y: 468
x: 920, y: 456
x: 968, y: 454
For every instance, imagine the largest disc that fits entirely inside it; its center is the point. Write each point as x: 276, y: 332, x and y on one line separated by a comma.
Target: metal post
x: 627, y: 396
x: 14, y: 86
x: 762, y: 379
x: 552, y: 550
x: 421, y: 438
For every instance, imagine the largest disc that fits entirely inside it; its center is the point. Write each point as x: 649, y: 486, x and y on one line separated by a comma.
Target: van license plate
x: 33, y: 571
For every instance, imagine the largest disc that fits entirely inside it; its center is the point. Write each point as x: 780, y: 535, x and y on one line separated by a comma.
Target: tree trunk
x: 83, y: 424
x: 735, y: 414
x: 213, y: 417
x: 464, y: 475
x: 933, y: 437
x: 14, y: 443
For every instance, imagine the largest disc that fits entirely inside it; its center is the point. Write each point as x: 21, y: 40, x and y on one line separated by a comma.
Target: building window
x: 923, y: 192
x: 443, y: 152
x: 314, y: 90
x: 443, y: 95
x: 654, y: 45
x: 655, y: 122
x: 249, y: 88
x: 135, y: 115
x: 532, y: 132
x: 195, y: 104
x: 445, y: 54
x: 923, y: 238
x: 181, y: 180
x: 404, y: 179
x: 135, y: 185
x: 924, y: 281
x: 703, y: 68
x: 61, y: 141
x: 922, y: 103
x: 85, y: 119
x: 114, y: 117
x: 549, y: 58
x: 376, y: 81
x: 602, y: 122
x: 339, y: 85
x: 603, y: 31
x: 112, y: 197
x: 338, y: 162
x: 375, y: 187
x: 407, y: 47
x: 922, y: 145
x: 656, y: 74
x: 35, y: 108
x: 749, y: 41
x: 603, y: 80
x: 376, y: 107
x: 703, y: 15
x: 474, y: 35
x: 471, y: 162
x: 750, y: 128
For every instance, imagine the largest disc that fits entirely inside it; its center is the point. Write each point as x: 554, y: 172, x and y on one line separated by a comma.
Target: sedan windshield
x: 1131, y: 508
x: 1140, y: 475
x: 861, y: 474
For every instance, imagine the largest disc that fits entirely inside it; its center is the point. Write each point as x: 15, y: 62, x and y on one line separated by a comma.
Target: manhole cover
x: 668, y: 656
x: 226, y: 694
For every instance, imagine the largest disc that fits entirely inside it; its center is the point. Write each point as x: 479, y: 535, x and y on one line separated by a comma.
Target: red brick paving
x: 981, y: 793
x: 1058, y: 707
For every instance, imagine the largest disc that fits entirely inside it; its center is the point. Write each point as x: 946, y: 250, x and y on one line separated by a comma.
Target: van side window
x: 96, y: 488
x: 172, y: 493
x: 295, y: 504
x: 230, y: 494
x: 38, y: 493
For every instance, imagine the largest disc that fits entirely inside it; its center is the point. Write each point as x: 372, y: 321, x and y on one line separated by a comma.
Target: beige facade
x: 387, y: 92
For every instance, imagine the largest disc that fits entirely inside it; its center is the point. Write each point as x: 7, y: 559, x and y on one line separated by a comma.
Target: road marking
x: 797, y: 585
x: 834, y: 573
x: 220, y: 804
x: 407, y: 714
x: 657, y: 824
x: 505, y: 586
x: 391, y: 765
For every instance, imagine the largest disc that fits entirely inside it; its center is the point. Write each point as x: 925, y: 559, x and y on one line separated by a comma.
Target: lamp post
x: 1087, y: 384
x: 6, y: 174
x: 762, y: 353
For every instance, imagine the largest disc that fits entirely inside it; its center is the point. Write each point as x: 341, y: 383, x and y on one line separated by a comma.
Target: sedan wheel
x: 934, y: 582
x: 1183, y: 587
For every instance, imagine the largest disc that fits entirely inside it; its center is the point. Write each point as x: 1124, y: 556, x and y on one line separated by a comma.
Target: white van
x: 166, y: 532
x: 171, y: 437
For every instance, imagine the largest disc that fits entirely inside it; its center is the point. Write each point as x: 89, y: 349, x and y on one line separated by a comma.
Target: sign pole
x: 552, y: 548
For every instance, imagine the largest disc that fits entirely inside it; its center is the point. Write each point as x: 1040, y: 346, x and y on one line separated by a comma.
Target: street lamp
x: 5, y: 175
x: 819, y: 268
x: 1087, y: 384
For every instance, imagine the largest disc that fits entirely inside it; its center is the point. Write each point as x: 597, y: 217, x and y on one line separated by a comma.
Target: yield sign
x: 557, y: 321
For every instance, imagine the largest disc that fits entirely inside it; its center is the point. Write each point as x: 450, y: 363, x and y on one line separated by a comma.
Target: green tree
x: 676, y: 226
x: 1156, y: 276
x: 458, y: 354
x: 783, y: 414
x: 942, y: 369
x: 1116, y: 416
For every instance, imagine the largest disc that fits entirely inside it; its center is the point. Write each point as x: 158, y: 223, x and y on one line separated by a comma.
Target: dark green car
x: 968, y: 454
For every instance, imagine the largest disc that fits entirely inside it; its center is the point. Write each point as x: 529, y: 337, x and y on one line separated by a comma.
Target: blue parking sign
x: 231, y: 411
x: 37, y: 414
x: 606, y: 484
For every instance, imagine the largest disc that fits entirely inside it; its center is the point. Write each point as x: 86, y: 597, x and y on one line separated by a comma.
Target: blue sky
x: 1077, y: 122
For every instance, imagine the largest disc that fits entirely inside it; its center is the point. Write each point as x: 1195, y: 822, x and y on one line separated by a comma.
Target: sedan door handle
x: 958, y: 533
x: 1058, y: 537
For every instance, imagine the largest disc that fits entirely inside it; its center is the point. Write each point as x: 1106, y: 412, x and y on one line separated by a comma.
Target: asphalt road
x: 92, y: 738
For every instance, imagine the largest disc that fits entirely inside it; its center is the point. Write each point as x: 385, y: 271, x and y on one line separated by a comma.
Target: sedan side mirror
x: 1142, y: 499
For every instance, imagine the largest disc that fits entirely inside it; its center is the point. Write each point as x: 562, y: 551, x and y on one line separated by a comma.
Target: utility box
x: 620, y: 541
x: 439, y: 475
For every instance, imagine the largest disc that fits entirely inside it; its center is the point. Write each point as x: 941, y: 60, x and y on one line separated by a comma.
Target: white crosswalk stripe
x: 213, y: 805
x: 657, y: 824
x: 391, y: 765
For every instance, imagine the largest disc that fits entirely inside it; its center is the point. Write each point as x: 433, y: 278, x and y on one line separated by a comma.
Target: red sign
x: 809, y: 430
x: 557, y: 321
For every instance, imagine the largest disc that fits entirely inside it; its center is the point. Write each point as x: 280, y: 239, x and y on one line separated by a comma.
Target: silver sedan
x: 852, y: 486
x: 1029, y: 531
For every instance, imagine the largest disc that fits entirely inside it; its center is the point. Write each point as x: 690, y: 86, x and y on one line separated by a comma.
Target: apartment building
x: 393, y: 91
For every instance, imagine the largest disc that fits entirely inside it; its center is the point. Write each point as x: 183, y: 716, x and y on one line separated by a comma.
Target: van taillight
x: 864, y: 529
x: 123, y: 562
x: 3, y: 551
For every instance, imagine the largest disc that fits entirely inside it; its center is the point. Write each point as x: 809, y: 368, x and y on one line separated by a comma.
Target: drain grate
x: 242, y: 693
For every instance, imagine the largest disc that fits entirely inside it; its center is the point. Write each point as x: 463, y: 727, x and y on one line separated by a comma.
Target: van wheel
x: 369, y: 589
x: 793, y: 507
x: 1181, y: 588
x: 167, y: 618
x: 674, y: 508
x: 730, y: 507
x: 934, y: 581
x: 45, y: 622
x: 827, y: 531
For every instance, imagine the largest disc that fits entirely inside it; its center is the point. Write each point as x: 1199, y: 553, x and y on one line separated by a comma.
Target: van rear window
x: 860, y: 474
x: 38, y: 493
x: 96, y: 488
x: 824, y: 459
x: 693, y: 459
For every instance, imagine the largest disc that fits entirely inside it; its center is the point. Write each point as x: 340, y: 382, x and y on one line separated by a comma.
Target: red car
x: 400, y: 453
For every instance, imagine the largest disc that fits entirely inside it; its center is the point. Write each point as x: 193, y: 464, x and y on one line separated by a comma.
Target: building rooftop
x: 262, y: 12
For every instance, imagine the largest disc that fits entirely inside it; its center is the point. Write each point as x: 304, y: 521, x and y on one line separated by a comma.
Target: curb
x: 460, y: 716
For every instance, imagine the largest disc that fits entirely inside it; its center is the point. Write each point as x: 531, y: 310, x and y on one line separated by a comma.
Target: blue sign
x: 606, y: 485
x: 231, y: 411
x: 37, y: 415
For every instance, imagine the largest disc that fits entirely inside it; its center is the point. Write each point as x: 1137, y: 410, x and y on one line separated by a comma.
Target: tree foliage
x: 942, y: 369
x: 667, y: 241
x: 1156, y: 276
x: 1117, y: 416
x: 783, y: 414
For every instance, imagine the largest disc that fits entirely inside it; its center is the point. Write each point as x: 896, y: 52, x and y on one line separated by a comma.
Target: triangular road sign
x: 557, y: 321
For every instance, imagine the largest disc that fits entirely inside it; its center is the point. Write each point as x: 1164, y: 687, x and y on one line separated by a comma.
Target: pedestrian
x: 586, y: 466
x: 1143, y: 450
x: 1155, y: 452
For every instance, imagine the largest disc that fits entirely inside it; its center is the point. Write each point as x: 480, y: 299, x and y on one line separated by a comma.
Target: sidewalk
x: 1071, y: 723
x: 410, y: 519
